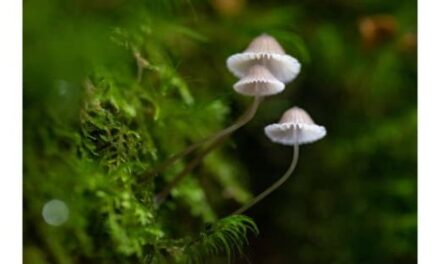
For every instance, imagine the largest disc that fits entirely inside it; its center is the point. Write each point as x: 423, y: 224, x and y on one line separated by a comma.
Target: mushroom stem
x: 241, y: 121
x: 216, y: 140
x: 274, y: 186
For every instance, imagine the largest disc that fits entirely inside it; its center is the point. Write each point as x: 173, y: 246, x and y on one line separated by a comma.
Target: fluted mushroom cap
x: 265, y: 50
x: 258, y: 82
x: 295, y: 127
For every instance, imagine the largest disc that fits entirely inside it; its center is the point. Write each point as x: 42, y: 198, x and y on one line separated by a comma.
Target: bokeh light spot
x: 55, y: 212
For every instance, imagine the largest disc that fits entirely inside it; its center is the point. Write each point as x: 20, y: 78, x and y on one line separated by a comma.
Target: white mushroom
x: 265, y: 50
x: 296, y: 127
x: 258, y: 82
x: 263, y: 68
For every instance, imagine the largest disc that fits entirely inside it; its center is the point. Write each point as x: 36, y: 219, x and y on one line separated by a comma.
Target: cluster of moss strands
x: 124, y: 125
x: 226, y: 236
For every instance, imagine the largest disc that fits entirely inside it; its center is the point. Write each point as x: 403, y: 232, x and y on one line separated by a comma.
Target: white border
x: 428, y: 133
x: 11, y: 131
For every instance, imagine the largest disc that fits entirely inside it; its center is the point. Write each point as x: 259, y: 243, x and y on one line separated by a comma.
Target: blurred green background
x: 112, y: 88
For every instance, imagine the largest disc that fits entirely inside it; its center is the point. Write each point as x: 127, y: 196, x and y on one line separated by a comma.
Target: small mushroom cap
x: 265, y: 43
x: 259, y: 82
x: 295, y: 127
x: 265, y: 50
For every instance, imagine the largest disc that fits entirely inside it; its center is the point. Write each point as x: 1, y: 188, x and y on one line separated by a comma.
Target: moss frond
x: 226, y: 236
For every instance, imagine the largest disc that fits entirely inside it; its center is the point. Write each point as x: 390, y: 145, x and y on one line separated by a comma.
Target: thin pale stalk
x: 217, y: 139
x: 245, y: 118
x: 274, y: 186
